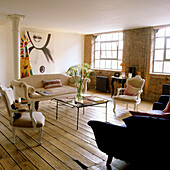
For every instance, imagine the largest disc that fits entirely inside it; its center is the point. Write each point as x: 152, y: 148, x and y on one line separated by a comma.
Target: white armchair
x: 132, y: 93
x: 28, y: 121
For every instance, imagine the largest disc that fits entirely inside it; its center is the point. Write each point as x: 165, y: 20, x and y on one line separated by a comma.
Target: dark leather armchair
x: 162, y: 102
x: 143, y: 139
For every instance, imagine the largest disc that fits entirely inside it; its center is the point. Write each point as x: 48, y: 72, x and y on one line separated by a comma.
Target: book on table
x: 43, y: 93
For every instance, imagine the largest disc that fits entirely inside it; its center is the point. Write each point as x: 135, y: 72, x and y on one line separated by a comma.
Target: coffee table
x: 84, y: 102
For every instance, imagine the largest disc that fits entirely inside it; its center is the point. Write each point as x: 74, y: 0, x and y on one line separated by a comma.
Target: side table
x: 121, y: 80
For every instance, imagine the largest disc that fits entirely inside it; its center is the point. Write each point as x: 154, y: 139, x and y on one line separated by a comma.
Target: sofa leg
x: 36, y: 105
x: 109, y: 160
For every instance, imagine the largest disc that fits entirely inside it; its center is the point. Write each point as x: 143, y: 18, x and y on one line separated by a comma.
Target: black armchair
x: 143, y: 139
x: 162, y: 102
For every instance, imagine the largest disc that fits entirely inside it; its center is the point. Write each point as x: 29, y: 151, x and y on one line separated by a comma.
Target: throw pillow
x: 167, y: 108
x: 132, y: 91
x: 52, y: 83
x: 159, y: 114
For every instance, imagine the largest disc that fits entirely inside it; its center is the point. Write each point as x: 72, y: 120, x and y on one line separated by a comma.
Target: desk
x: 119, y: 80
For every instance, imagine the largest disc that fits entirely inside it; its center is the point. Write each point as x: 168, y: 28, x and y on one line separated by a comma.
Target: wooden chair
x: 29, y: 120
x: 137, y: 84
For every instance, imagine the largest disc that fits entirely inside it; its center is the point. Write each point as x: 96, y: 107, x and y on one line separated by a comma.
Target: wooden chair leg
x: 36, y: 105
x: 114, y: 107
x: 109, y: 160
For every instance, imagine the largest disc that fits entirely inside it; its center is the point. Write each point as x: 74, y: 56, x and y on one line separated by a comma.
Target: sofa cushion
x: 52, y: 83
x: 55, y: 91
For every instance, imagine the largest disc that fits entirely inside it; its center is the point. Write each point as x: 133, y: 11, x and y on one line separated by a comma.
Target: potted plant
x: 79, y: 73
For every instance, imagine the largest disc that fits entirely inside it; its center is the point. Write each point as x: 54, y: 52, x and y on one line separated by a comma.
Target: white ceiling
x: 88, y: 16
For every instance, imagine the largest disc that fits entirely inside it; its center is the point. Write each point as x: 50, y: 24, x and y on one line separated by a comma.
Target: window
x: 161, y: 58
x: 108, y: 51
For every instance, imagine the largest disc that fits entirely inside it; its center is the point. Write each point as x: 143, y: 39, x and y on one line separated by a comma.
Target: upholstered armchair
x: 28, y: 120
x: 132, y: 93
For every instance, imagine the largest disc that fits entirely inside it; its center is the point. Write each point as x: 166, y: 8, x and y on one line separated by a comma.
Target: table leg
x: 57, y: 109
x: 77, y: 118
x: 83, y: 110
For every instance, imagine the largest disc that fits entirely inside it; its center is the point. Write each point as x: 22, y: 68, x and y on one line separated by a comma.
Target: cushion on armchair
x: 131, y: 90
x: 155, y: 113
x: 167, y: 108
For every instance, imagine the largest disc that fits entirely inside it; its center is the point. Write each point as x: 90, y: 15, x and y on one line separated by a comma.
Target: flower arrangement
x: 79, y: 73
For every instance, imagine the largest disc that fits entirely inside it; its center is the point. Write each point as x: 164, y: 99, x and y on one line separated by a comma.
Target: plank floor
x: 63, y: 146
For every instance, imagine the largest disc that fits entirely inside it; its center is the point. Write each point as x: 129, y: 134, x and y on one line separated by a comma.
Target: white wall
x: 6, y: 54
x: 68, y: 51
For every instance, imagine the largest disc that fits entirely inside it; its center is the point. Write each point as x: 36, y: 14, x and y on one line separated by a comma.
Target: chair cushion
x: 25, y: 120
x: 126, y: 98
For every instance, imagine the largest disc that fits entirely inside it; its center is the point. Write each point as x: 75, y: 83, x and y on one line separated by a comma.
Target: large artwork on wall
x: 41, y: 51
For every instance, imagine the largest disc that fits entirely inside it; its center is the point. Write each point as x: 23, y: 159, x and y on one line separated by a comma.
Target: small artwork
x: 41, y: 52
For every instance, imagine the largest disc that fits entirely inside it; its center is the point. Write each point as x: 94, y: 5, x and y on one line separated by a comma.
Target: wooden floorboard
x: 63, y: 146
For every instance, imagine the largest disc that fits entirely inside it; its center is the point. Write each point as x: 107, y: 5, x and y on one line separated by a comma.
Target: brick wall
x: 137, y: 52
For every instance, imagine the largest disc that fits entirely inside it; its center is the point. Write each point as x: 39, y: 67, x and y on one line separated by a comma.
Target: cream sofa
x: 28, y: 87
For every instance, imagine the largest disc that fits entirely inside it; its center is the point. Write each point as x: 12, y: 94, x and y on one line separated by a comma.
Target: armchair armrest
x: 119, y: 90
x: 22, y: 89
x: 104, y: 132
x: 86, y: 80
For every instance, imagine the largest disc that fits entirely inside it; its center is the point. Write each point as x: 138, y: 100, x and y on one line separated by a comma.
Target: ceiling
x: 87, y: 16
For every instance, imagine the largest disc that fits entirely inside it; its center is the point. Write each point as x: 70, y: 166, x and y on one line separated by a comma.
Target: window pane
x: 109, y: 37
x: 115, y: 36
x: 102, y: 63
x: 108, y: 54
x: 97, y: 54
x: 96, y: 64
x: 121, y: 36
x: 114, y: 64
x: 108, y: 64
x: 120, y: 45
x: 120, y: 54
x: 103, y: 54
x: 158, y: 67
x: 114, y: 45
x: 167, y: 67
x: 103, y: 37
x: 168, y: 31
x: 114, y: 54
x: 108, y: 46
x: 159, y: 54
x: 168, y: 54
x: 103, y: 46
x: 159, y: 43
x: 161, y: 32
x: 97, y: 46
x: 168, y: 43
x: 119, y: 67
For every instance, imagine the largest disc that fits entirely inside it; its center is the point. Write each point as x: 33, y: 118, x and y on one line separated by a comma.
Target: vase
x: 79, y: 93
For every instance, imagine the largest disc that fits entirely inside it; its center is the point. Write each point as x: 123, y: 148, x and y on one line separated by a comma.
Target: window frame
x: 119, y: 48
x: 164, y: 48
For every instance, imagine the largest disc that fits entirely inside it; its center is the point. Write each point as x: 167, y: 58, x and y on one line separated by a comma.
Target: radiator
x: 102, y: 83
